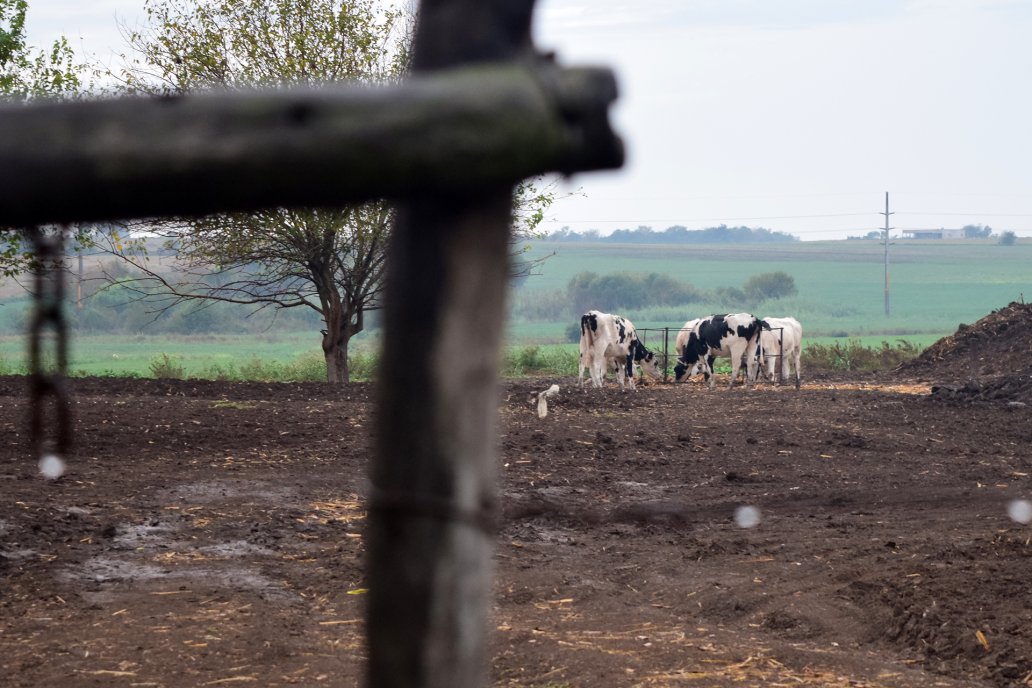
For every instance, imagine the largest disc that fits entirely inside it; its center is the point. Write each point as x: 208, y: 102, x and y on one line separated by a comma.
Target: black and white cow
x: 610, y: 340
x: 683, y: 333
x: 733, y: 335
x: 784, y: 339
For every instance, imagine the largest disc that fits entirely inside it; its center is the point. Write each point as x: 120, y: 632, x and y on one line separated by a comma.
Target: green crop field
x: 934, y: 285
x: 230, y: 356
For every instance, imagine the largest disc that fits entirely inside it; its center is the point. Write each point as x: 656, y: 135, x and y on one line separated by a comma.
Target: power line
x: 914, y: 212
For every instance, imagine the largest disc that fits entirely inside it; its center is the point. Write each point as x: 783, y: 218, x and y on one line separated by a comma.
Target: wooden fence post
x: 433, y: 501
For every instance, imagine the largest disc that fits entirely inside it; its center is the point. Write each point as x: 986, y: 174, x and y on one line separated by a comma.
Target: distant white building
x: 933, y: 233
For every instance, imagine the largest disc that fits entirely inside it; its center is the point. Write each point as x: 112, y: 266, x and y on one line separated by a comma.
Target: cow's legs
x: 749, y: 351
x: 598, y: 367
x: 736, y: 365
x: 627, y: 370
x: 752, y: 368
x: 618, y: 371
x: 707, y: 371
x: 798, y: 373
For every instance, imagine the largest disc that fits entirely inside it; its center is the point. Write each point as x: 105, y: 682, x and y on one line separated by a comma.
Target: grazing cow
x: 734, y: 335
x: 785, y: 338
x: 607, y: 340
x: 682, y: 335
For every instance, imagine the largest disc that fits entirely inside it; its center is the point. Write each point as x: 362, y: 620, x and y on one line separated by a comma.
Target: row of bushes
x: 519, y: 361
x: 309, y: 367
x: 629, y: 293
x: 848, y: 356
x: 852, y: 356
x: 530, y: 361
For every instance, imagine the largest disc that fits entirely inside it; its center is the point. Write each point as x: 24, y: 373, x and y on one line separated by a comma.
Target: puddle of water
x: 143, y: 535
x: 109, y: 571
x: 17, y: 554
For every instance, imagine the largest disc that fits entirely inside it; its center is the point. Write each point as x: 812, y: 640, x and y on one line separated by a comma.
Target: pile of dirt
x: 990, y: 360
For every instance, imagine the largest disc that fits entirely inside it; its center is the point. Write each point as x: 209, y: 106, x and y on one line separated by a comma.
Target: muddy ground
x: 210, y: 534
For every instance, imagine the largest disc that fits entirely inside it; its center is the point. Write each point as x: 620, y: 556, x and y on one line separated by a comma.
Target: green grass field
x: 198, y: 355
x: 935, y: 287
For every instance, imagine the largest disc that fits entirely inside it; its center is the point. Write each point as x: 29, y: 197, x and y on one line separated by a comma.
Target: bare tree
x: 330, y: 261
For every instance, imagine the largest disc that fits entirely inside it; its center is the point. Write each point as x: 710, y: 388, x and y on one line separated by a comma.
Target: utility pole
x: 887, y: 228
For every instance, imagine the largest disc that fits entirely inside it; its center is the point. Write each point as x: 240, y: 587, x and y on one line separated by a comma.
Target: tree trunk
x: 341, y: 326
x: 335, y: 353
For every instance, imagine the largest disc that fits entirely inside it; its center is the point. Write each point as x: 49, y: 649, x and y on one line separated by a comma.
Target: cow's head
x: 691, y: 358
x: 684, y: 370
x: 770, y: 363
x: 637, y: 353
x: 648, y: 360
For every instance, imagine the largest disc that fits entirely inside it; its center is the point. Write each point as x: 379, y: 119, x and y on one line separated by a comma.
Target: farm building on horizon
x: 934, y: 234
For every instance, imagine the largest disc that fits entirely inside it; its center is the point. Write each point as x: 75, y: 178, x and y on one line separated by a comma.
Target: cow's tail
x: 587, y: 340
x: 761, y: 325
x: 760, y: 360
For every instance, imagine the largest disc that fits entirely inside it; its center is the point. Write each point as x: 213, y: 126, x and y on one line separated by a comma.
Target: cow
x: 682, y: 335
x: 784, y: 339
x: 733, y: 335
x: 608, y: 339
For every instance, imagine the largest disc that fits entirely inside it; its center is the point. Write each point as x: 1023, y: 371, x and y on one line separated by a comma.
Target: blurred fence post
x: 433, y: 502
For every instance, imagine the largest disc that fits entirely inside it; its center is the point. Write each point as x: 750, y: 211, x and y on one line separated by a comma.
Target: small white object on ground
x: 542, y: 404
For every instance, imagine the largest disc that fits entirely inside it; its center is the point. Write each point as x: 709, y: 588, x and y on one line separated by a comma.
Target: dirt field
x: 210, y: 534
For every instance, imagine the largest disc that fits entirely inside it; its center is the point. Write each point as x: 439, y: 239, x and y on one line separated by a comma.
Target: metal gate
x: 666, y: 354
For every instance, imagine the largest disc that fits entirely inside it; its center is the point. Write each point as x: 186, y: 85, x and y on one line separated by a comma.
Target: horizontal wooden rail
x: 450, y: 132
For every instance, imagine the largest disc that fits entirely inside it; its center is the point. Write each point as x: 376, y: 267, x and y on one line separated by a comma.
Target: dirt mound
x: 990, y: 360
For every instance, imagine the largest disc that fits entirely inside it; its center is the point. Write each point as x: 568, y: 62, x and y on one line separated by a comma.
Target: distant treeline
x: 677, y: 234
x: 631, y: 293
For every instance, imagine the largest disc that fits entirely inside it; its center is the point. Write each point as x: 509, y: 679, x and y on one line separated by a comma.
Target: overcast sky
x: 794, y: 115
